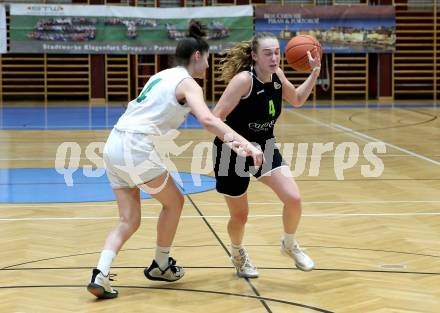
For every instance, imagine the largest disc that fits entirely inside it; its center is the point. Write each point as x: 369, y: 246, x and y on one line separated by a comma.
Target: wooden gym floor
x: 375, y: 240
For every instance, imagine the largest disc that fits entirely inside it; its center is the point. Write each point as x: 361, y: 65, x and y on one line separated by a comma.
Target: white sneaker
x: 243, y: 265
x: 100, y: 286
x: 302, y: 260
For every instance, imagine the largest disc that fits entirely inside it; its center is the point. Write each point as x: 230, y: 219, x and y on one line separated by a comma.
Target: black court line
x: 200, y: 246
x: 254, y: 289
x: 185, y: 290
x: 350, y: 118
x: 224, y: 267
x: 378, y: 250
x: 432, y: 118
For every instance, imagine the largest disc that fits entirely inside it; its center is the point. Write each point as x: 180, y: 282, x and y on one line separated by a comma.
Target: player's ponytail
x: 194, y: 42
x: 235, y: 60
x: 196, y: 29
x: 239, y: 57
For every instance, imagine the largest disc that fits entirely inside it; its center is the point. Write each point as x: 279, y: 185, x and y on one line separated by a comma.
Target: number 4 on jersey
x: 271, y: 108
x: 143, y: 94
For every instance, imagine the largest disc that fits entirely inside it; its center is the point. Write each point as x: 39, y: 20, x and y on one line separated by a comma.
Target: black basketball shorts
x: 232, y: 172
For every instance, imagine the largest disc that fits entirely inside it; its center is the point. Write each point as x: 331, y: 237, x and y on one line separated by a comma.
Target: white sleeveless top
x: 156, y: 110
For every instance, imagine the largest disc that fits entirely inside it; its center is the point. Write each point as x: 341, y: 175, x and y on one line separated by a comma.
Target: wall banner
x: 339, y: 28
x: 100, y: 29
x: 3, y: 47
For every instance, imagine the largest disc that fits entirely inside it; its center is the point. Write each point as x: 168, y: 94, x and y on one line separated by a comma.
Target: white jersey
x: 156, y: 110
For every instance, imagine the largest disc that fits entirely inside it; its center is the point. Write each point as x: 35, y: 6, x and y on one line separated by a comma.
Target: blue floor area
x: 84, y: 117
x: 47, y: 185
x: 63, y: 118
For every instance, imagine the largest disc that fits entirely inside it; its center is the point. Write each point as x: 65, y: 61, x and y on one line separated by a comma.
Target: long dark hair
x: 194, y: 42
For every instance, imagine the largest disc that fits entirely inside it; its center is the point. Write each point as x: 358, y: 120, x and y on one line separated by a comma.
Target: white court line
x: 113, y: 205
x: 408, y: 214
x: 388, y: 144
x: 388, y: 155
x: 363, y: 137
x: 91, y: 159
x: 45, y: 205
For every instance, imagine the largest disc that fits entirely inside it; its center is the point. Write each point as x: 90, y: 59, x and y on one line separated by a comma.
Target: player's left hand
x: 315, y: 62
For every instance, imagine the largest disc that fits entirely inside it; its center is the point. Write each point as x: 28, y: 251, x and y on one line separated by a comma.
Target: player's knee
x: 132, y: 222
x: 136, y: 223
x: 293, y: 200
x: 240, y: 217
x: 180, y: 201
x: 177, y: 204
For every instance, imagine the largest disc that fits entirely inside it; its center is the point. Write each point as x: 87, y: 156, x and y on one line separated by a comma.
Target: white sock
x: 105, y: 261
x: 161, y: 257
x: 235, y: 249
x: 289, y: 240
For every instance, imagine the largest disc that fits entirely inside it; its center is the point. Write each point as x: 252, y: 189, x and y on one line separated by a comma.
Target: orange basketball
x: 296, y: 52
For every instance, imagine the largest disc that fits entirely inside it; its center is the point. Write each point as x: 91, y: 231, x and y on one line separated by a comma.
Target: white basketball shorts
x: 131, y: 159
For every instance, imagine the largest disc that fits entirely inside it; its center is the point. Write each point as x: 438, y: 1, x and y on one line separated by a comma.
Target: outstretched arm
x: 297, y: 96
x: 189, y: 91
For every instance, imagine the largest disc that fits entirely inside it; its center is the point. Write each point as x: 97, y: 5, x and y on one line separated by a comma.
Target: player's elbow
x: 209, y: 121
x: 295, y: 101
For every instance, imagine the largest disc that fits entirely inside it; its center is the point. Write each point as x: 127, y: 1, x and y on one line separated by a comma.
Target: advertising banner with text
x: 99, y: 29
x: 339, y: 28
x: 2, y: 29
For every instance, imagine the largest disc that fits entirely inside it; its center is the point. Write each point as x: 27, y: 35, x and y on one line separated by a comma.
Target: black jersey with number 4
x: 255, y: 115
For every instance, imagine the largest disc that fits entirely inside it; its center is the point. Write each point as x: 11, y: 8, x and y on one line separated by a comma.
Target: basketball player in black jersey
x: 251, y: 104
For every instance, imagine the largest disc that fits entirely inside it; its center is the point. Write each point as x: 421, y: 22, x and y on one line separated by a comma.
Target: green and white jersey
x: 156, y: 110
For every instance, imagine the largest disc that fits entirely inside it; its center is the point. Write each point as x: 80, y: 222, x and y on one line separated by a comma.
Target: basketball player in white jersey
x: 133, y: 163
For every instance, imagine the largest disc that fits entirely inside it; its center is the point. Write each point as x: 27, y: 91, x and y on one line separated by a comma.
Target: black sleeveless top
x: 254, y: 116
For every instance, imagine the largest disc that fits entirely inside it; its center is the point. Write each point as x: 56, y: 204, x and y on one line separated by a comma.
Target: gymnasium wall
x: 411, y: 72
